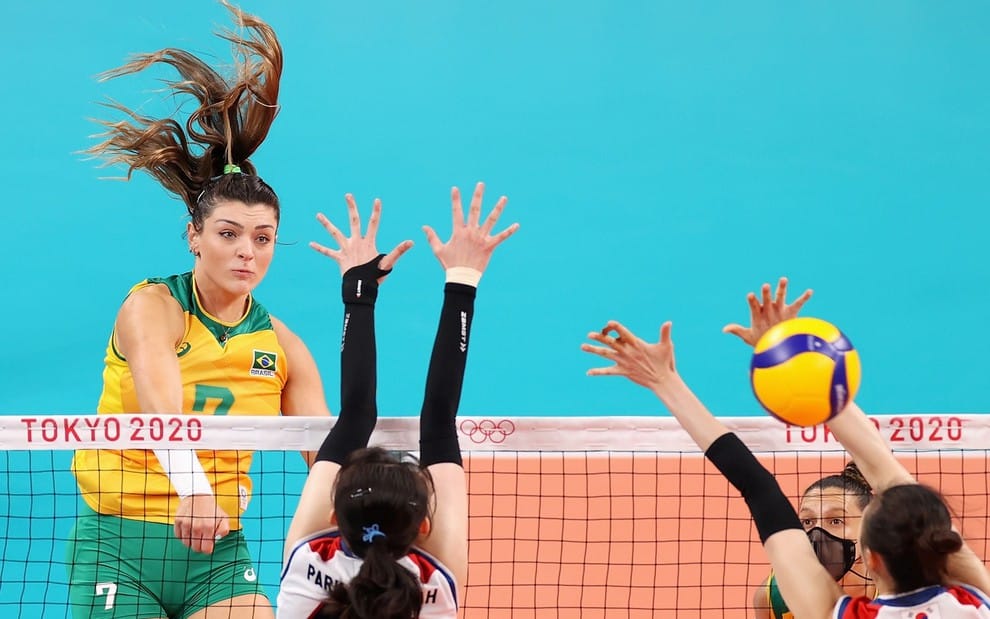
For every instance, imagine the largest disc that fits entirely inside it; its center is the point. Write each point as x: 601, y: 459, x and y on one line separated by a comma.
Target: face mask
x: 835, y: 553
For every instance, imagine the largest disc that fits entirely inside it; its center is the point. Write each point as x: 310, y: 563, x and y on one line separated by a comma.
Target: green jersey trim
x: 183, y: 289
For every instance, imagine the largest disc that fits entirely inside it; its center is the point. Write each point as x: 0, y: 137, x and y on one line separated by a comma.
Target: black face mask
x: 835, y: 553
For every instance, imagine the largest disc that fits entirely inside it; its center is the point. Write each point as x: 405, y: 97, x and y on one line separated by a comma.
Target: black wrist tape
x: 360, y: 283
x: 771, y: 510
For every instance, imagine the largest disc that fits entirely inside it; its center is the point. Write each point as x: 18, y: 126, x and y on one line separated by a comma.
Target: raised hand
x: 645, y: 364
x: 766, y: 312
x: 356, y: 249
x: 471, y: 243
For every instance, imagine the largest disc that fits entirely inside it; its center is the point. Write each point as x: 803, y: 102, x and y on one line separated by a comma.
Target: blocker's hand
x: 643, y: 363
x: 358, y: 249
x: 767, y: 312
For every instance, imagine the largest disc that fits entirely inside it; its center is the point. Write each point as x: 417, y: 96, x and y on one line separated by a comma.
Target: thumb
x: 223, y: 526
x: 393, y: 256
x: 734, y: 329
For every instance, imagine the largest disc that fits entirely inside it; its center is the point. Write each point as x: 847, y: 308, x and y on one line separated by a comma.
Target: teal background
x: 663, y: 158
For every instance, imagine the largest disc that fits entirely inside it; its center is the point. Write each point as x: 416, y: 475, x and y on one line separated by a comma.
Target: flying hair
x: 232, y: 119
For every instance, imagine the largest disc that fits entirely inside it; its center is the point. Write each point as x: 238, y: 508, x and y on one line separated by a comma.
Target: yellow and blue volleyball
x: 804, y: 371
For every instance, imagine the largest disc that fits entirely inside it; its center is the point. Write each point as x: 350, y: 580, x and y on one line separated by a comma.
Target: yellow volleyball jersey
x: 227, y: 369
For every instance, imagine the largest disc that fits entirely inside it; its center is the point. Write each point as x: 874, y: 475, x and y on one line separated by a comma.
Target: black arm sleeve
x: 771, y: 510
x: 437, y: 420
x: 358, y: 357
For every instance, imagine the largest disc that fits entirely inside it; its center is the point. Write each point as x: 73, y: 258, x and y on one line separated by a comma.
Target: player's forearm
x: 445, y: 379
x: 772, y: 511
x: 690, y: 412
x: 185, y: 472
x: 159, y: 391
x: 358, y: 366
x: 872, y: 455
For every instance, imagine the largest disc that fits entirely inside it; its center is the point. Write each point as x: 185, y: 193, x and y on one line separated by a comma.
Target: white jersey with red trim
x: 953, y: 602
x: 320, y: 561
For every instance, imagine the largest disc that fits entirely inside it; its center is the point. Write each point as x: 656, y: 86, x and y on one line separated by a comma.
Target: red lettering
x: 826, y: 434
x: 156, y: 428
x: 137, y: 424
x: 936, y: 423
x: 29, y: 421
x: 70, y: 429
x: 93, y: 423
x: 916, y: 429
x: 194, y: 429
x: 898, y: 425
x: 953, y: 427
x: 111, y: 425
x: 49, y: 430
x: 176, y: 434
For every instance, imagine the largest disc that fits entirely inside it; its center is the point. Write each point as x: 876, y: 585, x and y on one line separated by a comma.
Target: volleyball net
x: 616, y: 517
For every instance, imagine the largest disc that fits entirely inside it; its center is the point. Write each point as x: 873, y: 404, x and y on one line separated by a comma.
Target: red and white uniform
x: 954, y: 602
x: 320, y: 561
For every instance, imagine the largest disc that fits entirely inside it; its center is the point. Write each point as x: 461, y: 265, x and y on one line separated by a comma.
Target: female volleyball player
x: 831, y: 510
x: 921, y: 565
x: 160, y: 533
x: 378, y: 535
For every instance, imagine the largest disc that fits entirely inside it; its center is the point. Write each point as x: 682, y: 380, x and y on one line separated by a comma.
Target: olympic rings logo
x: 488, y: 430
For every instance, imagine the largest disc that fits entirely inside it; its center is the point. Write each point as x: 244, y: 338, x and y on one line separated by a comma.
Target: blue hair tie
x: 370, y: 533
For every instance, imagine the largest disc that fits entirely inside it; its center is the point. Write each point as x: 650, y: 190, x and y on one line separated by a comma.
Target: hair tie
x: 370, y: 533
x: 231, y: 169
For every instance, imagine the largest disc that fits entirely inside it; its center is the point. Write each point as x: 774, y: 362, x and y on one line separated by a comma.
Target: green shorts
x: 131, y: 568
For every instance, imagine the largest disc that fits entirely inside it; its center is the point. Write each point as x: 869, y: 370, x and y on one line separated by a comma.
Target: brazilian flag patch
x: 264, y: 363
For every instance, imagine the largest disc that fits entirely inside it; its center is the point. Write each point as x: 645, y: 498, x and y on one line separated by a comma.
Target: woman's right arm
x: 362, y: 269
x: 882, y: 470
x: 852, y: 428
x: 805, y: 585
x: 149, y: 326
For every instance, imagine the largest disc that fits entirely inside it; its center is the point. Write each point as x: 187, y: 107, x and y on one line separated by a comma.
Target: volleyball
x: 804, y: 371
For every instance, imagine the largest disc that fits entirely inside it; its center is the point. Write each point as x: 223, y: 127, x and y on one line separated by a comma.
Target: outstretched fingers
x: 388, y: 262
x: 665, y: 330
x: 504, y: 234
x: 326, y: 251
x: 799, y: 303
x: 492, y: 219
x: 474, y: 211
x: 457, y: 211
x: 353, y: 216
x: 780, y: 300
x: 433, y: 239
x: 376, y: 216
x: 332, y: 229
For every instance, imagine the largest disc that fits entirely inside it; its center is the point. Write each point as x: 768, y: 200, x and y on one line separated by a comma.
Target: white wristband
x: 463, y: 275
x: 184, y: 471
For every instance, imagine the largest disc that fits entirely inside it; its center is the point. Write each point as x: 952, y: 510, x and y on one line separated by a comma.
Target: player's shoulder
x: 430, y: 569
x: 321, y: 546
x: 969, y: 596
x: 151, y: 304
x: 325, y: 543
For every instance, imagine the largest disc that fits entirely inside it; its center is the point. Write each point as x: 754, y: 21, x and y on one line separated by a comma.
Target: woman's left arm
x: 303, y: 394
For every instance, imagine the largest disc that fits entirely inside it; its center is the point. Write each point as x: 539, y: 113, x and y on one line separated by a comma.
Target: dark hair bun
x: 853, y: 474
x: 940, y: 541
